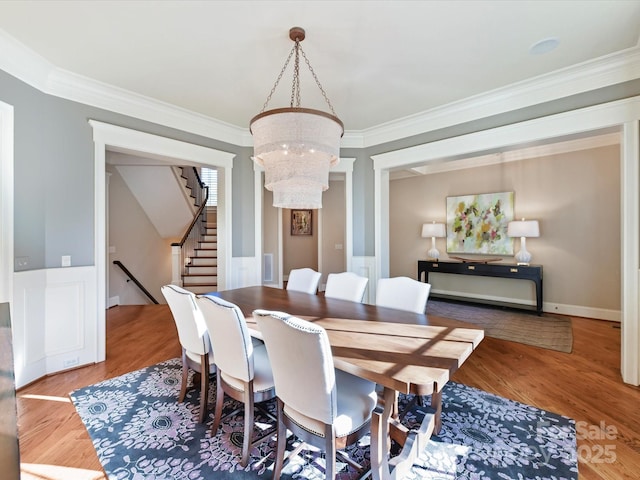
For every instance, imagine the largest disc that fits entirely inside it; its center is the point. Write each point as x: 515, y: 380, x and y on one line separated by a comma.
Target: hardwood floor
x: 584, y: 385
x: 49, y: 429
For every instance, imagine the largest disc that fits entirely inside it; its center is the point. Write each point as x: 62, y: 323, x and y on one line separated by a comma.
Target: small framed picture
x: 301, y: 222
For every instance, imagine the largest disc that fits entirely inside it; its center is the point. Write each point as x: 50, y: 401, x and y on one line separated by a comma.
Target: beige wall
x: 138, y: 246
x: 299, y: 251
x: 575, y: 197
x: 302, y: 251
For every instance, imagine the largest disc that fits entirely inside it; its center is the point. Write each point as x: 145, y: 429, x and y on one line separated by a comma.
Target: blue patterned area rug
x: 140, y: 431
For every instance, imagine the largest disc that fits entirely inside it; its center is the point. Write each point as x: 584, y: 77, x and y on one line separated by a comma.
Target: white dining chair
x: 402, y: 293
x: 346, y: 286
x: 194, y: 340
x: 322, y: 406
x: 303, y: 280
x: 243, y: 367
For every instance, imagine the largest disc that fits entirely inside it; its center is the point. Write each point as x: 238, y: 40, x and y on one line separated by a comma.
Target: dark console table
x: 501, y: 270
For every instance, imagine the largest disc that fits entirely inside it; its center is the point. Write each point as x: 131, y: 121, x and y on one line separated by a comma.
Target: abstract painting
x: 301, y: 222
x: 478, y: 223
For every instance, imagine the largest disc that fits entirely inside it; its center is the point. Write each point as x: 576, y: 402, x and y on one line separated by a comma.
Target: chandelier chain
x: 315, y: 77
x: 295, y: 87
x: 275, y: 85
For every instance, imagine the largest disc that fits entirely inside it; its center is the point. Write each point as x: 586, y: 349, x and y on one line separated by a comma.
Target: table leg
x: 539, y: 296
x: 380, y: 441
x: 413, y: 443
x: 436, y: 404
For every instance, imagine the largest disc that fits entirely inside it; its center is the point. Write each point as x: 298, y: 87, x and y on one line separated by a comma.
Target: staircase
x: 201, y: 273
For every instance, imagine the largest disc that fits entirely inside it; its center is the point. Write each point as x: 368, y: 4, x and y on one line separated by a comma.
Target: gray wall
x: 54, y: 175
x: 54, y: 193
x: 243, y: 205
x: 363, y: 207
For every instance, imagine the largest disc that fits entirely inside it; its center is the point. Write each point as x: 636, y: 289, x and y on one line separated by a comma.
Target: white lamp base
x: 433, y: 253
x: 523, y: 257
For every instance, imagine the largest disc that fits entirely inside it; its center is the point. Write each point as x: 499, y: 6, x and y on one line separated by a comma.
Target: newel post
x: 176, y: 265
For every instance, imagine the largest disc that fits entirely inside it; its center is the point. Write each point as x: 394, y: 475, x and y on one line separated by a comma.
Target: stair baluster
x: 198, y: 245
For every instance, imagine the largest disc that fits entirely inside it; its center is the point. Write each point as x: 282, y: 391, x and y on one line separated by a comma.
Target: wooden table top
x: 405, y: 351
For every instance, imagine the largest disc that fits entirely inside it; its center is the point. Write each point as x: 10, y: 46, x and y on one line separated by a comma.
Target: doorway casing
x: 623, y: 115
x: 173, y: 152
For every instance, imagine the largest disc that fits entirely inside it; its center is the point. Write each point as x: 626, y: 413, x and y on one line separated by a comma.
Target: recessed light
x: 545, y: 45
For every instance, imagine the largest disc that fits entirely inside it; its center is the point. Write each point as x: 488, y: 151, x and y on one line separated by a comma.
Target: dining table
x: 403, y: 352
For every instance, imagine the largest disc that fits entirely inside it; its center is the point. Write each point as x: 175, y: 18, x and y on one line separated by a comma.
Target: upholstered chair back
x: 303, y: 280
x: 346, y: 286
x: 230, y: 338
x: 192, y: 331
x: 402, y: 293
x: 302, y: 364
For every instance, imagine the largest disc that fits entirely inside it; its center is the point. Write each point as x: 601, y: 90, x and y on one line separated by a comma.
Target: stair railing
x: 134, y: 280
x: 197, y: 229
x: 196, y: 185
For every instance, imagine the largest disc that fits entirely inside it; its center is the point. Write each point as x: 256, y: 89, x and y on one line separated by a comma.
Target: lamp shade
x: 433, y: 230
x: 523, y: 228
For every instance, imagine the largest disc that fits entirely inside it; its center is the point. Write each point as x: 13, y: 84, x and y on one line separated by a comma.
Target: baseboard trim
x: 549, y: 307
x: 587, y: 312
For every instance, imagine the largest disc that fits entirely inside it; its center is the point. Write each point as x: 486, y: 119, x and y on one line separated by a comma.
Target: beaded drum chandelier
x: 296, y: 146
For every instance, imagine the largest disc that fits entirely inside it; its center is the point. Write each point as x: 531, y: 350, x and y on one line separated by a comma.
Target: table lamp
x: 433, y: 230
x: 523, y: 229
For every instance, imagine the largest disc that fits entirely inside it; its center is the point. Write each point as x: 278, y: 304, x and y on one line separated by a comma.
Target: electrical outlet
x: 66, y: 260
x: 21, y: 262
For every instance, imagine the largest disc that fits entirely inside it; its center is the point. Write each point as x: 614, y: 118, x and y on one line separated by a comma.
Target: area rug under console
x: 546, y: 331
x: 140, y: 431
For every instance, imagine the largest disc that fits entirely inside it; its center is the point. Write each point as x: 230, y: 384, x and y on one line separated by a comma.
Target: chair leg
x: 185, y: 377
x: 248, y: 424
x: 219, y: 403
x: 281, y: 443
x: 436, y: 404
x: 330, y: 453
x: 204, y: 386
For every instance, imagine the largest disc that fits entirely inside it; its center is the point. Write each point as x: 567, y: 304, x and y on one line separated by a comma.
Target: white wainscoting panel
x: 55, y: 321
x: 28, y: 326
x: 64, y: 330
x: 267, y: 268
x: 366, y: 267
x: 245, y: 272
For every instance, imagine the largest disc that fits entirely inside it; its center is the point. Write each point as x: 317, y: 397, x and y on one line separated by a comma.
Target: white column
x: 630, y: 258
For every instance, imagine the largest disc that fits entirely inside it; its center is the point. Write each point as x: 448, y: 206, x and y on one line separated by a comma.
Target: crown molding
x: 602, y: 118
x: 605, y: 71
x: 536, y: 151
x: 81, y: 89
x: 23, y: 63
x: 33, y: 69
x: 28, y: 66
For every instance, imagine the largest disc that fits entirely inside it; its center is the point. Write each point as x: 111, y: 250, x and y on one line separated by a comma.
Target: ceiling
x: 378, y: 61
